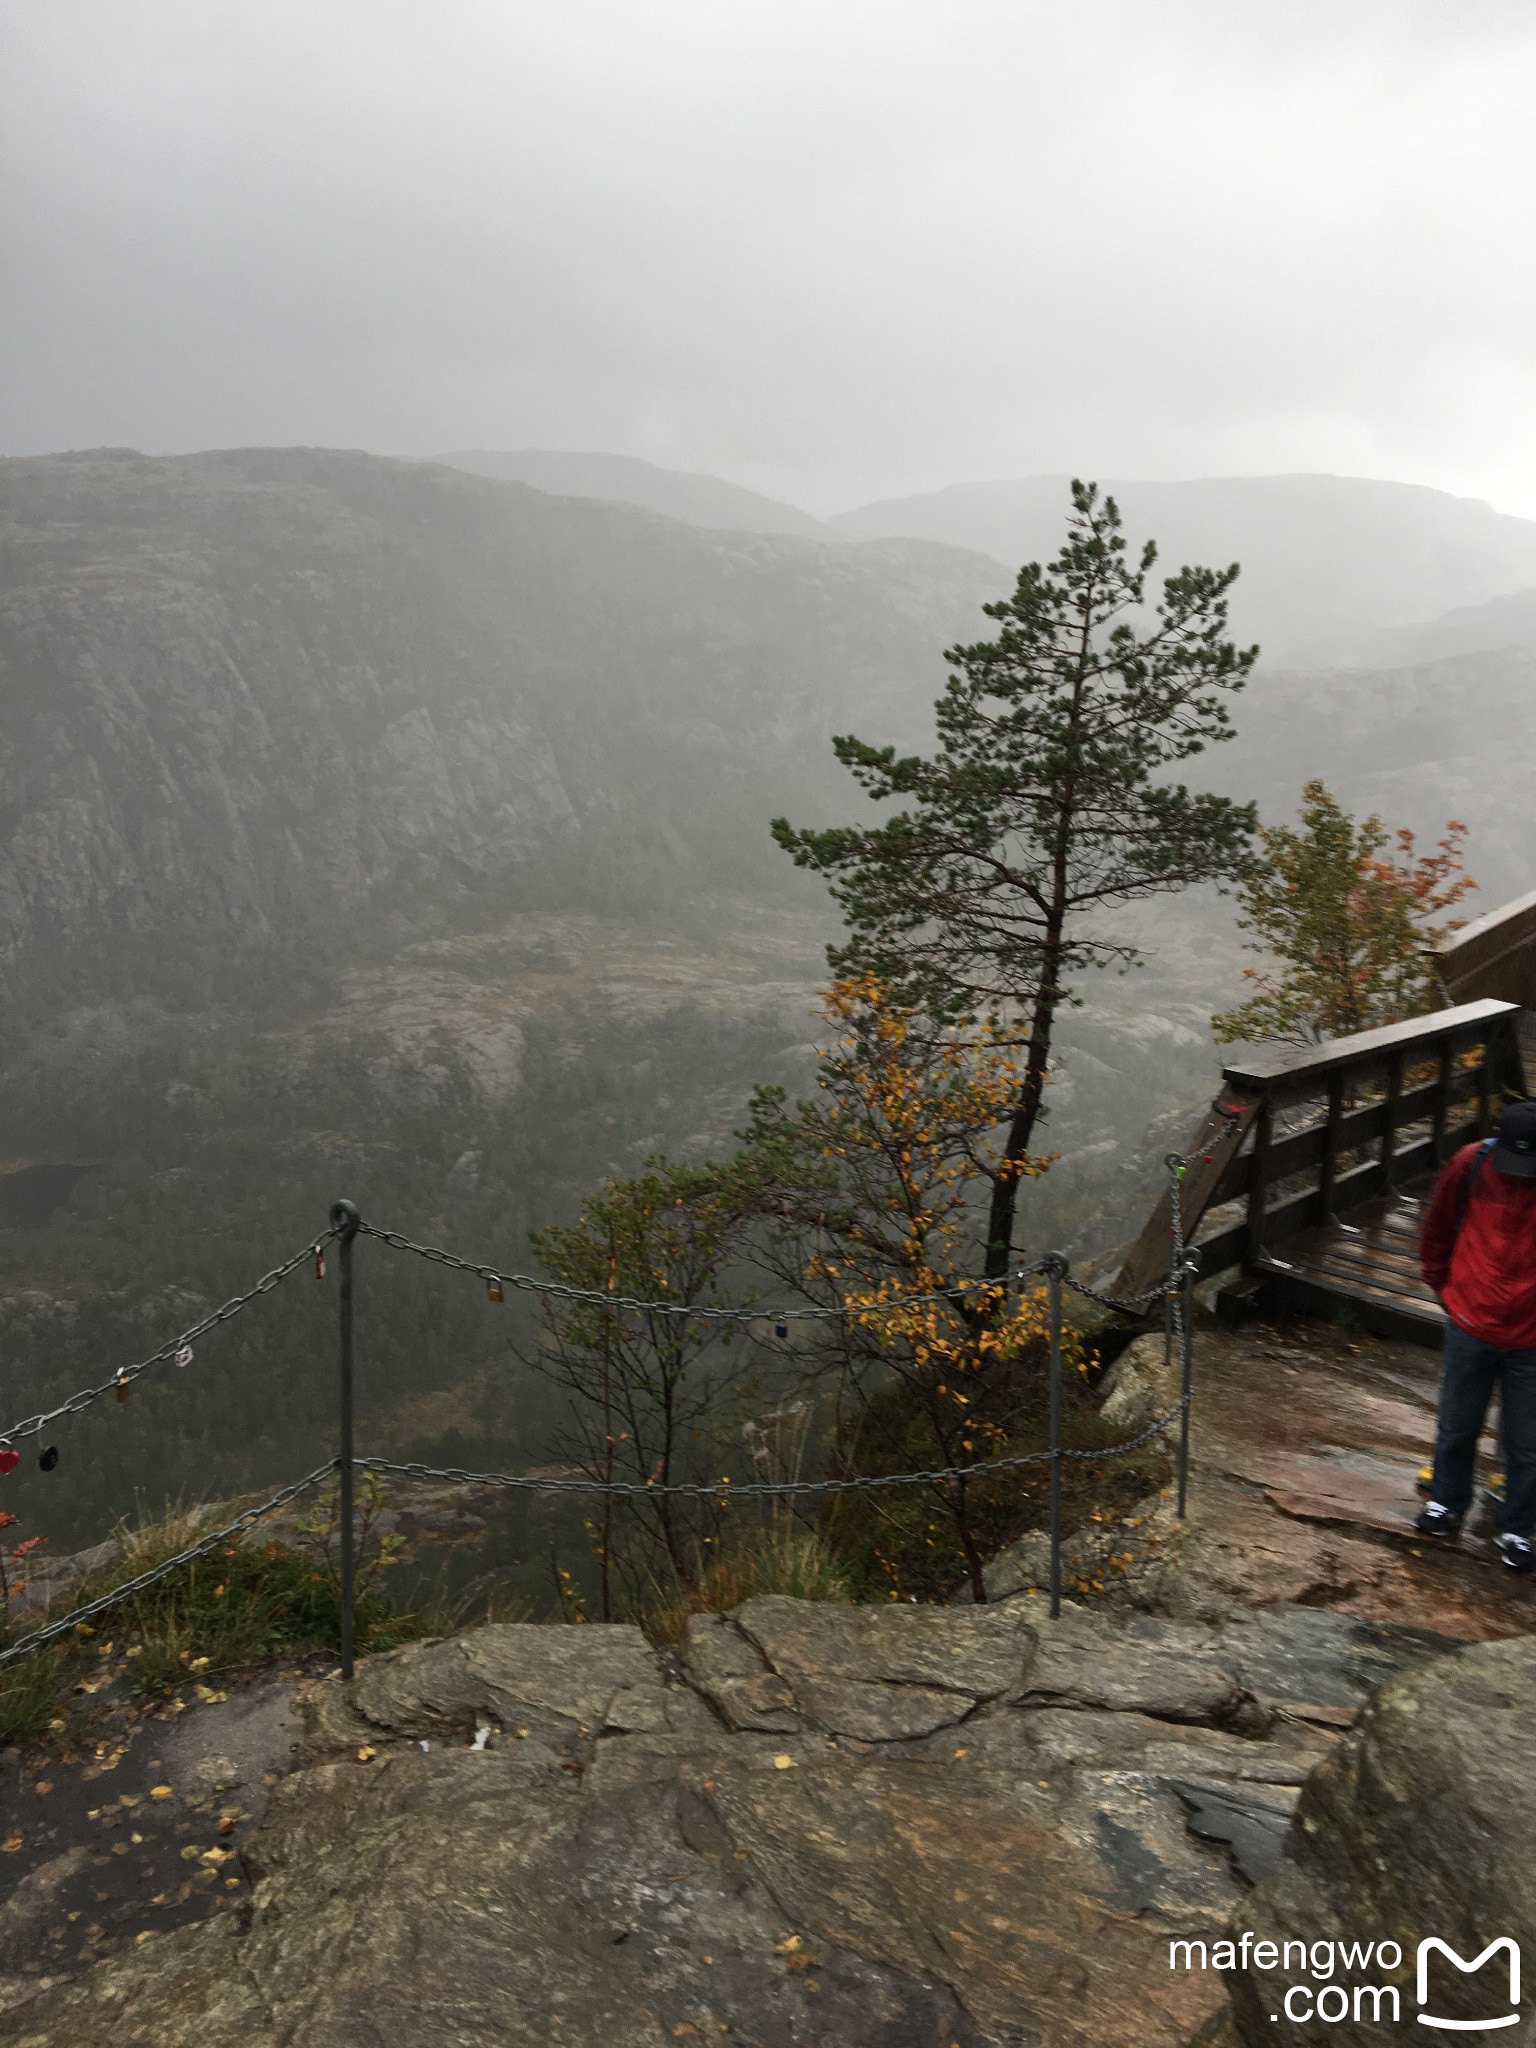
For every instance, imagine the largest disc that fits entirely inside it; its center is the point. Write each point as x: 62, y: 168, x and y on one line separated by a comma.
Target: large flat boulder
x: 819, y: 1824
x: 1418, y: 1827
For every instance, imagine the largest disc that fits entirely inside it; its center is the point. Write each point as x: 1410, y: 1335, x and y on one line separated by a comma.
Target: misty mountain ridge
x: 1336, y: 570
x: 627, y: 480
x: 1326, y: 560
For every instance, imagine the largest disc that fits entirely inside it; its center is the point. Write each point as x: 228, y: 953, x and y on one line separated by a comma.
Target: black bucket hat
x: 1514, y: 1150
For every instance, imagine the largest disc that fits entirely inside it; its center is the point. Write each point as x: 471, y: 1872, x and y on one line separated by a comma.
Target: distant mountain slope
x: 1448, y: 739
x: 1325, y: 559
x: 301, y: 697
x: 1501, y: 623
x: 626, y: 480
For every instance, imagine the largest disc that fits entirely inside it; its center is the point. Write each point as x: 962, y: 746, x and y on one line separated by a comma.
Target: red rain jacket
x: 1479, y: 1255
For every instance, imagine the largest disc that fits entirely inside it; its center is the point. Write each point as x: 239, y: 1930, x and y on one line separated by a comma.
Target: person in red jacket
x: 1478, y: 1252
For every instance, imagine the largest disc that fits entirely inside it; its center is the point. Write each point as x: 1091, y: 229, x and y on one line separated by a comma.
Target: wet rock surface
x: 815, y: 1824
x: 1418, y: 1826
x: 966, y: 1826
x: 141, y: 1833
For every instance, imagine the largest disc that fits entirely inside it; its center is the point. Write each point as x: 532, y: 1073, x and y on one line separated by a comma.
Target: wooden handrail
x: 1271, y: 1072
x: 1226, y: 1165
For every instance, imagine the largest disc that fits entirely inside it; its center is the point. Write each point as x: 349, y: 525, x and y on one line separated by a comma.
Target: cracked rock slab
x: 626, y: 1865
x: 1082, y: 1664
x: 876, y: 1674
x: 601, y: 1679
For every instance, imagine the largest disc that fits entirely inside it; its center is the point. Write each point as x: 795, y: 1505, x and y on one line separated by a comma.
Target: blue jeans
x: 1470, y: 1371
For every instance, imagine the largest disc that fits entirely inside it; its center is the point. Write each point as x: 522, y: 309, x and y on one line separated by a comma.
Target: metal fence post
x: 345, y: 1218
x: 1187, y: 1346
x: 1056, y: 1266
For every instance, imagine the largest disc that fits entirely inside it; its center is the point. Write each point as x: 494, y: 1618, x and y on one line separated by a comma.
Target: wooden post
x: 1442, y: 1103
x: 1389, y: 1135
x: 1253, y: 1243
x: 1210, y: 1152
x: 1328, y: 1172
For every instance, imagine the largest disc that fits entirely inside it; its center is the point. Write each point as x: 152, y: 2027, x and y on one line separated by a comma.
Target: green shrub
x: 903, y: 1544
x: 239, y: 1605
x: 29, y: 1688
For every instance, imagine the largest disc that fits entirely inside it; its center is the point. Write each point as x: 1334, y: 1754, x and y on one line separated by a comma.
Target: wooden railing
x: 1393, y: 1094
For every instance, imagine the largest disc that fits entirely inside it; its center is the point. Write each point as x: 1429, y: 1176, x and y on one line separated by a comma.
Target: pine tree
x: 1041, y: 806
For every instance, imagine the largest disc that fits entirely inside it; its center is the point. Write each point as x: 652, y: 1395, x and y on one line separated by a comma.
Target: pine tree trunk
x: 1005, y: 1189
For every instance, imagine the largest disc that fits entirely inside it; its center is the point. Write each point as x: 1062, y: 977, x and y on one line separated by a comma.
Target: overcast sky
x: 834, y: 249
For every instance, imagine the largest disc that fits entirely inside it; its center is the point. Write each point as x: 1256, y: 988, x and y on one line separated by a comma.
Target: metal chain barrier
x: 346, y: 1224
x: 755, y: 1489
x: 557, y: 1290
x: 40, y: 1637
x: 171, y: 1351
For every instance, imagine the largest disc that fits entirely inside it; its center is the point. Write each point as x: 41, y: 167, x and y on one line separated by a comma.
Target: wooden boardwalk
x: 1306, y: 1183
x: 1366, y: 1258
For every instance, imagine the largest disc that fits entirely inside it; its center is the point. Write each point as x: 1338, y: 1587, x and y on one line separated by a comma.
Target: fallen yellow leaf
x: 367, y: 1753
x: 161, y: 1792
x: 783, y: 1763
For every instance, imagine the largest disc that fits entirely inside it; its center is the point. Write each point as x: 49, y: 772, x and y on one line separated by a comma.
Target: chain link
x: 1181, y: 1261
x: 757, y: 1489
x: 531, y: 1482
x: 557, y: 1290
x: 125, y: 1375
x: 73, y: 1620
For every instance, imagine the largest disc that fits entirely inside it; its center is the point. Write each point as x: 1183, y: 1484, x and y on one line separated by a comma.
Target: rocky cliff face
x: 256, y: 692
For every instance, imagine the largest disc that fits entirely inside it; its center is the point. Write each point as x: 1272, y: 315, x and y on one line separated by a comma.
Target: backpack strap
x: 1474, y: 1168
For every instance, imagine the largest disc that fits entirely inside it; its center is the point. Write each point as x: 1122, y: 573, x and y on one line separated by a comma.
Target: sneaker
x: 1434, y: 1520
x: 1496, y: 1488
x: 1516, y: 1553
